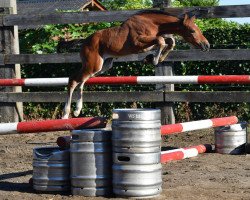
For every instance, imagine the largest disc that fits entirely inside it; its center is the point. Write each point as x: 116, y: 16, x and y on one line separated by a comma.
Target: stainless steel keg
x: 231, y: 139
x: 136, y: 141
x: 136, y: 130
x: 51, y: 169
x: 91, y: 162
x: 133, y: 180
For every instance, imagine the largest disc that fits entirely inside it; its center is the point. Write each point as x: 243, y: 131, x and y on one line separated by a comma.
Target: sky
x: 237, y: 2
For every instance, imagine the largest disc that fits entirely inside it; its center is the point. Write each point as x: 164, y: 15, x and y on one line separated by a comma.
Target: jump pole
x: 131, y: 80
x: 182, y: 153
x: 196, y: 125
x: 64, y: 141
x: 52, y: 125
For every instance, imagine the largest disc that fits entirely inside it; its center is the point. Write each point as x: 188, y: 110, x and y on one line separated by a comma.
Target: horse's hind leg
x: 108, y: 63
x: 79, y: 99
x: 96, y: 62
x: 80, y: 76
x: 71, y: 87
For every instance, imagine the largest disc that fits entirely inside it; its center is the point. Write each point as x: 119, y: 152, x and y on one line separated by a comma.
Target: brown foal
x: 140, y: 33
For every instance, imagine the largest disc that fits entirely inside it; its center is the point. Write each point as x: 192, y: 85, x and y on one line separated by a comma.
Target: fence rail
x: 180, y: 55
x: 143, y: 96
x: 111, y: 16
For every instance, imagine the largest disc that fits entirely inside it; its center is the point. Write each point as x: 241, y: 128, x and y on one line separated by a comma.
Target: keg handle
x: 234, y: 127
x: 122, y: 158
x: 44, y: 155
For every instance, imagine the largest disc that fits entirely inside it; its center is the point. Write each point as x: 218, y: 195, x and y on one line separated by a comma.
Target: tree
x: 126, y: 4
x: 188, y: 3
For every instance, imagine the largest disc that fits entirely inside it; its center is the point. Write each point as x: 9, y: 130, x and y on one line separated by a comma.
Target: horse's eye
x: 192, y: 31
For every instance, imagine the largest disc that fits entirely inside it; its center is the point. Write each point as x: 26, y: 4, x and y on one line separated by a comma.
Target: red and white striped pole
x: 196, y: 125
x: 132, y: 80
x: 64, y: 141
x: 182, y: 153
x: 52, y: 125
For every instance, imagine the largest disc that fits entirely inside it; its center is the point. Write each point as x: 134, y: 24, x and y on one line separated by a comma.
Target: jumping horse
x: 140, y: 33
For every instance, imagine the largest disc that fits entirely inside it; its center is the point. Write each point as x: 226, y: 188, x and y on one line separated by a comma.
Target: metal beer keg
x: 136, y: 130
x: 137, y: 180
x: 231, y: 139
x: 51, y: 169
x: 136, y: 141
x: 91, y: 162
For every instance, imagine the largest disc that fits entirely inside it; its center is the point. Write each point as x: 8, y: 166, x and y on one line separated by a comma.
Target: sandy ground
x: 208, y: 176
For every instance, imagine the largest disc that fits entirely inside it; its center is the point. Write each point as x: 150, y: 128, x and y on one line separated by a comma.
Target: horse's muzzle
x: 205, y: 46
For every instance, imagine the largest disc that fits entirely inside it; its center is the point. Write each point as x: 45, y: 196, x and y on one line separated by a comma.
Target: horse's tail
x: 69, y: 46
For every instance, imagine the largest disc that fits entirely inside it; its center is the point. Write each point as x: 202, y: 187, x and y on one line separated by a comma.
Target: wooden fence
x: 8, y: 58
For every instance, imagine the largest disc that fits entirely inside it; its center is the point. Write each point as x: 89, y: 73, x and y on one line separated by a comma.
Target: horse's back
x: 121, y: 40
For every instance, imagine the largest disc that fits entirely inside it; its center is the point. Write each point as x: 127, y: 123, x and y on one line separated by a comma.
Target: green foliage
x: 230, y: 36
x: 126, y: 4
x: 188, y: 3
x: 45, y: 40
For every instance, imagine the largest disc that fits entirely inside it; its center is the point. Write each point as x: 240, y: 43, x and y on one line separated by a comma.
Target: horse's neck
x: 170, y: 28
x: 167, y: 24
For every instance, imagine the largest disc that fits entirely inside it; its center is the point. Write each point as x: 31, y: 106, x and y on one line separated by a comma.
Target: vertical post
x: 9, y: 44
x: 16, y: 50
x: 165, y: 69
x: 167, y: 108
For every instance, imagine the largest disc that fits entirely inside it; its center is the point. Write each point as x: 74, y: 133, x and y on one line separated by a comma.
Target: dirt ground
x: 208, y: 176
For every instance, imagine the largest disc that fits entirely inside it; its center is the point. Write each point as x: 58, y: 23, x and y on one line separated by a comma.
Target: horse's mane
x: 181, y: 16
x: 155, y: 12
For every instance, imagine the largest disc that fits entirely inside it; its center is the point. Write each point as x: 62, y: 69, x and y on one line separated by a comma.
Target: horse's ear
x: 185, y: 20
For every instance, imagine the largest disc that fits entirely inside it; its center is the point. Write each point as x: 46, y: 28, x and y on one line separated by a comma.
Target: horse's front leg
x: 151, y: 41
x: 170, y: 44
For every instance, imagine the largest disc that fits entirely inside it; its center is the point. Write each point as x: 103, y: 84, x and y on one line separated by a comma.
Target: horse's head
x: 192, y: 34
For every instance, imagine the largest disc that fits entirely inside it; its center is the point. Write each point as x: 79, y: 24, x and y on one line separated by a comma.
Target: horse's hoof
x: 66, y: 116
x: 76, y: 113
x: 155, y: 62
